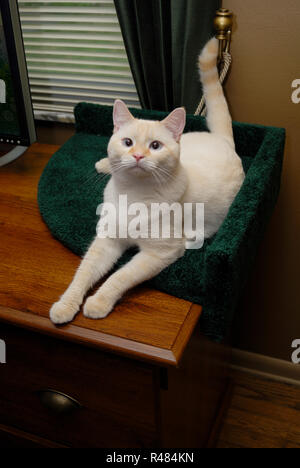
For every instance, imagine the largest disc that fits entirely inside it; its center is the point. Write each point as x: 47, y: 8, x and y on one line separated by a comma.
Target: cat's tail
x: 218, y: 116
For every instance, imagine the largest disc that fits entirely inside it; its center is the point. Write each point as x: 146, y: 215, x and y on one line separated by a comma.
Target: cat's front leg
x: 142, y: 267
x: 99, y: 259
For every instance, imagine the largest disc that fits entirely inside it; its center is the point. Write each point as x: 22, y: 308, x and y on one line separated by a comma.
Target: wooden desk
x: 144, y: 376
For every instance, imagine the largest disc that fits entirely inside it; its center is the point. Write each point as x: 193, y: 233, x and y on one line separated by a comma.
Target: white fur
x: 215, y: 175
x: 202, y: 167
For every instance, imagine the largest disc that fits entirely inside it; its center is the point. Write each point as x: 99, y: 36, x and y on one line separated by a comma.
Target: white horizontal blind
x: 75, y: 52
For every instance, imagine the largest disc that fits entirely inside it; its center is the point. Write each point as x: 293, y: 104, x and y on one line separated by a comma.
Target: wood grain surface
x: 262, y: 414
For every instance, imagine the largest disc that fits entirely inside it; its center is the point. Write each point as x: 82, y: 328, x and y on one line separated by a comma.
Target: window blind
x: 74, y: 52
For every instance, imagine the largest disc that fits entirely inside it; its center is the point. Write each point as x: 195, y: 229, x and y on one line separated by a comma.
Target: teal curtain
x: 163, y: 39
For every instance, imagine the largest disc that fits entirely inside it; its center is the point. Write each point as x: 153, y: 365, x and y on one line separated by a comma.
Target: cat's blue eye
x: 127, y: 142
x: 156, y: 145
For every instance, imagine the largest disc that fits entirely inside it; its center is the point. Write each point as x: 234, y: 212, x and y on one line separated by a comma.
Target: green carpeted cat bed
x: 70, y: 191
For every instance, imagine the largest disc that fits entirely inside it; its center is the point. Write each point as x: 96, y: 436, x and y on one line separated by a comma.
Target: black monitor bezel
x: 18, y: 83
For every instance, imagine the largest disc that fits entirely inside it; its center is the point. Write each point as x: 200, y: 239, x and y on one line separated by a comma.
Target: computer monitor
x: 17, y: 127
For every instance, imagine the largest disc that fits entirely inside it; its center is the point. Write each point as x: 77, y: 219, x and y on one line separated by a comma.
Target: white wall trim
x: 266, y: 367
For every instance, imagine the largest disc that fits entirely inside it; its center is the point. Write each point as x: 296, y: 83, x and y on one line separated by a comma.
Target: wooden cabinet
x: 112, y: 401
x: 143, y: 377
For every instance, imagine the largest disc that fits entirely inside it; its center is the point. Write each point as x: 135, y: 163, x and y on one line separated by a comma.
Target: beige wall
x: 266, y: 53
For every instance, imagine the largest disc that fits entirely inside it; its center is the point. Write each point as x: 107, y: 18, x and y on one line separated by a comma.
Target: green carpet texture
x: 70, y: 191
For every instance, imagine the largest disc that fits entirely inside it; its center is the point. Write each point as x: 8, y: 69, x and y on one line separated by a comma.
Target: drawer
x: 116, y: 395
x: 14, y: 438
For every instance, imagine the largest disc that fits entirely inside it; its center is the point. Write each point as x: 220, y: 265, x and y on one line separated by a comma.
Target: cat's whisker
x: 95, y: 175
x: 160, y: 169
x: 166, y: 173
x: 159, y: 178
x: 156, y: 178
x: 165, y: 170
x: 119, y: 166
x: 158, y: 175
x: 89, y: 179
x: 93, y: 179
x: 163, y: 174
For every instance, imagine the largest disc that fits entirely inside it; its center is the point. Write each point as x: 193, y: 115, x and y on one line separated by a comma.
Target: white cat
x: 152, y: 162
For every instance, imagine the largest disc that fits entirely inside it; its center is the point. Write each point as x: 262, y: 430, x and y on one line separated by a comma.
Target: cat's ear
x: 175, y: 122
x: 121, y: 115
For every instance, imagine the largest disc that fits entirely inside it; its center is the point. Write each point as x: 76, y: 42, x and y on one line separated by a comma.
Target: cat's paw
x: 62, y: 313
x: 97, y: 307
x: 103, y: 166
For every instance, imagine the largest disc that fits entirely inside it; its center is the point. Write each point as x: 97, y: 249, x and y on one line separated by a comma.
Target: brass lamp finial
x: 223, y: 25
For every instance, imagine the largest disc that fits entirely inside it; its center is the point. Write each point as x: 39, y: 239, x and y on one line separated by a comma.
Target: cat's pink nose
x: 138, y: 157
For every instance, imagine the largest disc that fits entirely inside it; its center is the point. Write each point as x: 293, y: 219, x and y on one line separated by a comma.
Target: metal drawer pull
x: 57, y: 401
